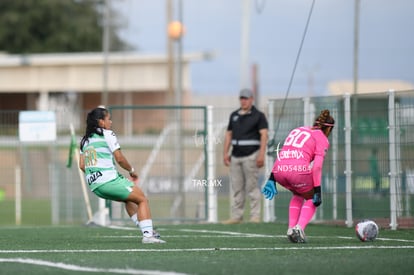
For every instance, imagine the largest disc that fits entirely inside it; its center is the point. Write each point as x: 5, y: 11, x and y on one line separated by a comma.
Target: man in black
x: 247, y: 134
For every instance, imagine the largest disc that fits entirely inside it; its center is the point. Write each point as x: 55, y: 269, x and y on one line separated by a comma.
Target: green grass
x: 33, y: 212
x: 203, y: 249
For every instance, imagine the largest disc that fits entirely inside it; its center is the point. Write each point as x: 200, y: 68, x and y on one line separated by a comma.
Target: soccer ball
x: 366, y: 230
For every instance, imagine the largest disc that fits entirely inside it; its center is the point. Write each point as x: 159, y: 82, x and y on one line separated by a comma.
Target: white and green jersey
x: 99, y: 161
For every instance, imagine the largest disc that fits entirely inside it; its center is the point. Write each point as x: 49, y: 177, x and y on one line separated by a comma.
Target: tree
x: 43, y: 26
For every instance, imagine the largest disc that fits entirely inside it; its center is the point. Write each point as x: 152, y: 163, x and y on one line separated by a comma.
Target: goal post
x: 173, y: 149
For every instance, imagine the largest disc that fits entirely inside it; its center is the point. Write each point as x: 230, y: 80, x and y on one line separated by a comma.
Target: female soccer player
x: 99, y: 148
x: 298, y: 168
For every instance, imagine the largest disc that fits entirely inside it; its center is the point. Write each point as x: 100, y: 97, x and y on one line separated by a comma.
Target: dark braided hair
x: 324, y: 120
x: 92, y: 125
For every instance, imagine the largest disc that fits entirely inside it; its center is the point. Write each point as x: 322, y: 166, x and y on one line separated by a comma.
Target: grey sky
x: 386, y: 41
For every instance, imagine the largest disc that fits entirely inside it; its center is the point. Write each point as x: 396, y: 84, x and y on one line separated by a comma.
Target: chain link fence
x: 368, y: 171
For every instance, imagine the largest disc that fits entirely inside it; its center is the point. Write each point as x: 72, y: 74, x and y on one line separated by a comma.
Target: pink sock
x: 294, y: 210
x: 306, y: 214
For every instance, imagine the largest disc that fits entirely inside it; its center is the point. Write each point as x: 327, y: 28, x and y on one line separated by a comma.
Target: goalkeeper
x: 298, y: 168
x: 100, y: 151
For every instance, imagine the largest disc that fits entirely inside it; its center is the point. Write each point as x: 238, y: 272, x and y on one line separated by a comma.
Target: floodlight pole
x: 245, y: 45
x: 356, y: 60
x: 105, y: 48
x: 356, y: 45
x: 178, y: 103
x: 170, y: 52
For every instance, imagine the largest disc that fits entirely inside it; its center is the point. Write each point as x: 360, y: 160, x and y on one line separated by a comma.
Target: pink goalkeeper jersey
x: 294, y: 167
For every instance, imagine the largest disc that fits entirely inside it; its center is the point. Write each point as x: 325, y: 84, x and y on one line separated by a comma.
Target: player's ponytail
x: 92, y: 124
x: 324, y: 120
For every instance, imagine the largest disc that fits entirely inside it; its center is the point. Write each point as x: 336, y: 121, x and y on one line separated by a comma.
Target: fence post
x: 308, y: 112
x: 348, y: 167
x: 211, y: 171
x: 18, y: 195
x: 335, y: 169
x: 393, y: 161
x: 269, y: 205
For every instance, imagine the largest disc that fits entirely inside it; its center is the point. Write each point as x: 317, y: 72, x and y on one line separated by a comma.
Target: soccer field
x: 203, y: 249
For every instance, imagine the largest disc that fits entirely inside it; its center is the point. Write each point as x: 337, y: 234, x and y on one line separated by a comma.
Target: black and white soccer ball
x: 367, y: 230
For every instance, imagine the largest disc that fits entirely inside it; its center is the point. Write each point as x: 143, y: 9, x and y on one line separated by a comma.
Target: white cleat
x: 299, y: 234
x: 156, y: 234
x: 152, y: 239
x: 291, y: 236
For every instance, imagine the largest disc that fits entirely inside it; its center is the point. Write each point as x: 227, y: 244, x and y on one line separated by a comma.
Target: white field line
x: 231, y: 233
x: 226, y: 234
x: 380, y: 239
x: 264, y: 236
x: 249, y: 235
x: 121, y: 227
x: 209, y: 233
x: 34, y: 251
x: 195, y: 236
x: 85, y: 269
x: 395, y: 240
x: 216, y: 233
x: 213, y: 233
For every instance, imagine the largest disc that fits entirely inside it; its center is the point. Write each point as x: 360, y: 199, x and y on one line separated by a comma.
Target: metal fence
x: 368, y: 171
x: 36, y: 185
x: 168, y: 146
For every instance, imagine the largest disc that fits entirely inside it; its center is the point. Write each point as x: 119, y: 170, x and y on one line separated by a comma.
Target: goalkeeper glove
x: 317, y: 196
x: 269, y: 189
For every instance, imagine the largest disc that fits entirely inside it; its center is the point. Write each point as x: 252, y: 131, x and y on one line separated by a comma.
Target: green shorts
x: 116, y: 190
